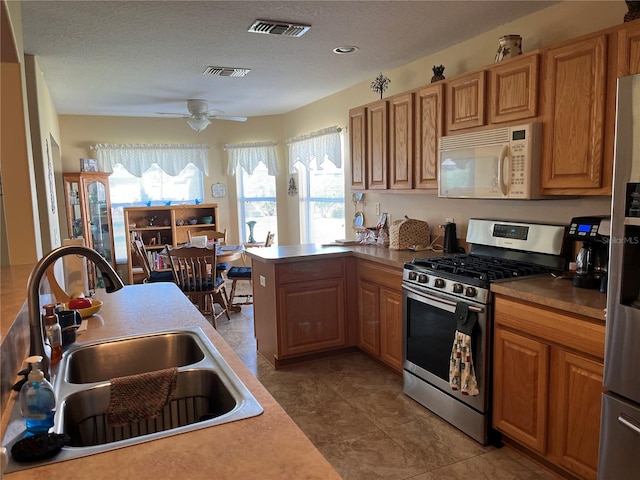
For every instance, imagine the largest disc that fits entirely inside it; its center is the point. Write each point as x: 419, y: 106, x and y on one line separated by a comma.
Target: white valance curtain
x: 319, y: 146
x: 136, y: 159
x: 249, y: 155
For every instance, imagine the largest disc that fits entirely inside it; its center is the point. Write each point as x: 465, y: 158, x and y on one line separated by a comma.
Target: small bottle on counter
x: 54, y: 333
x: 37, y: 400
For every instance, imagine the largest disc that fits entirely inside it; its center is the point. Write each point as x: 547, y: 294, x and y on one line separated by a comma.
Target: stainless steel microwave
x: 502, y: 163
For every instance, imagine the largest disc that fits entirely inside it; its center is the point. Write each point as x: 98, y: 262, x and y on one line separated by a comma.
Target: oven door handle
x: 441, y: 300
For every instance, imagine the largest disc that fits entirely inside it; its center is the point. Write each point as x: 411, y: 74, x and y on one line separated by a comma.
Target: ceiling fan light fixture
x: 198, y: 122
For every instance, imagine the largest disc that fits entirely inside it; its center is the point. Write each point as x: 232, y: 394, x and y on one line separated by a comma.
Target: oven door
x: 429, y: 330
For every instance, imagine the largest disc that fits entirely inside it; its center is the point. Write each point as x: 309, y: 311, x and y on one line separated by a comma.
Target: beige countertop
x: 269, y: 446
x: 296, y: 253
x: 556, y: 293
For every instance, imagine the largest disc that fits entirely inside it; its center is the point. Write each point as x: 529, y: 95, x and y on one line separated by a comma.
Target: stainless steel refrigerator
x: 619, y: 456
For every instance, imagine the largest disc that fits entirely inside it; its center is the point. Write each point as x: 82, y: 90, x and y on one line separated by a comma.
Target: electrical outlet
x: 449, y: 220
x: 263, y: 281
x: 377, y: 208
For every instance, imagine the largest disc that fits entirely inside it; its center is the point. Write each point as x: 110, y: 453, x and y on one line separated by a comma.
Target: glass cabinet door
x: 98, y: 219
x: 74, y: 209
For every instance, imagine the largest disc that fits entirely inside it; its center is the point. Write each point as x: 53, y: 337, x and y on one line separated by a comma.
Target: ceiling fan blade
x: 177, y: 115
x: 227, y: 117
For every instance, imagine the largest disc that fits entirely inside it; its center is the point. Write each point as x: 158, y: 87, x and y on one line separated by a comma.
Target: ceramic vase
x: 510, y: 46
x: 251, y: 224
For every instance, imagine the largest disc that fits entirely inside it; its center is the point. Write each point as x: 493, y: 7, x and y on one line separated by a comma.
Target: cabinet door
x: 377, y: 146
x: 311, y: 316
x: 98, y: 216
x: 574, y: 417
x: 358, y: 147
x: 629, y: 50
x: 574, y: 135
x: 520, y: 388
x: 369, y: 317
x: 427, y: 132
x: 391, y: 328
x: 466, y: 101
x: 513, y: 90
x: 401, y: 142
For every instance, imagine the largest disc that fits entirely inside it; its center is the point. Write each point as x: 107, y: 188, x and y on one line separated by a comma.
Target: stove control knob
x: 422, y: 278
x: 457, y: 288
x: 470, y: 292
x: 439, y: 283
x: 412, y: 275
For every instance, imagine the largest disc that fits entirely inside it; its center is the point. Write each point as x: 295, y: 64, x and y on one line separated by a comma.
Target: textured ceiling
x: 137, y: 58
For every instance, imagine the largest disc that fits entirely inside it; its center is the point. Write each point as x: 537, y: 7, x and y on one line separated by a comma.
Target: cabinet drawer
x: 312, y: 270
x: 579, y: 333
x: 380, y: 275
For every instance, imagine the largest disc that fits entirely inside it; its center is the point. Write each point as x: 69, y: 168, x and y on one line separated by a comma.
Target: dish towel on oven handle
x: 462, y: 375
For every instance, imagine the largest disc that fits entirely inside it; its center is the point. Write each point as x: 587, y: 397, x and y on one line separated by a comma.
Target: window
x: 321, y: 203
x: 156, y: 187
x: 318, y: 159
x: 257, y: 202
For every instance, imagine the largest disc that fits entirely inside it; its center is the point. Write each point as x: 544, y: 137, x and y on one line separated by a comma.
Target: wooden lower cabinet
x: 380, y: 312
x: 547, y: 392
x: 312, y: 316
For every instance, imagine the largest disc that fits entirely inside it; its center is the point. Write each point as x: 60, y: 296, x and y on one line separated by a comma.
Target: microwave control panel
x: 519, y: 151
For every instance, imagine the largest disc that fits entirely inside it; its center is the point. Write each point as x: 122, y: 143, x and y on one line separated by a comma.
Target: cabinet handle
x: 629, y: 423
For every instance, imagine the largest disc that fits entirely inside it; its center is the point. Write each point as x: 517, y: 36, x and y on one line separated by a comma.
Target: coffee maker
x: 593, y: 256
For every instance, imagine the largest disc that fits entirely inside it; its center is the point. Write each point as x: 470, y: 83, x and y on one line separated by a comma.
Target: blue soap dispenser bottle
x: 37, y: 399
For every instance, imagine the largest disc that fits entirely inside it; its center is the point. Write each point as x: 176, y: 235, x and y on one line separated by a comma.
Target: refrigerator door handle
x: 629, y: 423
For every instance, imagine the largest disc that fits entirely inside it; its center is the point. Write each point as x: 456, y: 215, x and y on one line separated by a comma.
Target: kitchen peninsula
x: 269, y: 446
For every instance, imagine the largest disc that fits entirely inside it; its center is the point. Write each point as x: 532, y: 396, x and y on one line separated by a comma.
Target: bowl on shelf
x: 206, y: 220
x: 192, y: 221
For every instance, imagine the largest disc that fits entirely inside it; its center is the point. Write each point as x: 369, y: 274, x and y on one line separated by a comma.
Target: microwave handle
x: 504, y: 154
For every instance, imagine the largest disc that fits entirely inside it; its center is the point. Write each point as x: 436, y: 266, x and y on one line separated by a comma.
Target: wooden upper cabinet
x: 377, y: 145
x: 401, y: 141
x: 466, y: 101
x: 513, y: 89
x: 358, y: 147
x: 428, y: 130
x: 576, y: 94
x: 629, y: 49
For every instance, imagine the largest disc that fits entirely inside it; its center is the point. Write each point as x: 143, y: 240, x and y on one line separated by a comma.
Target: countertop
x: 547, y: 291
x: 556, y: 293
x: 269, y: 446
x: 296, y: 253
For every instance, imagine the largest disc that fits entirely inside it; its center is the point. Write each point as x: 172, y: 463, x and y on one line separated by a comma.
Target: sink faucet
x: 111, y: 279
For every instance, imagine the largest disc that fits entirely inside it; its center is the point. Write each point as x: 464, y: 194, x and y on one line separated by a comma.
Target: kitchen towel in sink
x: 462, y: 375
x: 139, y: 397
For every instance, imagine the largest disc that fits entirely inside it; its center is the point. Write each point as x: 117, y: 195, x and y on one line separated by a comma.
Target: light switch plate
x: 263, y: 281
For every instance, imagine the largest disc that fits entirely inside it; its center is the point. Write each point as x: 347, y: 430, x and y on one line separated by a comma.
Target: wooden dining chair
x: 142, y: 259
x: 193, y: 272
x: 236, y: 274
x: 215, y: 236
x: 212, y: 235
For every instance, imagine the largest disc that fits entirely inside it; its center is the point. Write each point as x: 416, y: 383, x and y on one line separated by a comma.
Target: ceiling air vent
x: 225, y: 71
x: 278, y: 28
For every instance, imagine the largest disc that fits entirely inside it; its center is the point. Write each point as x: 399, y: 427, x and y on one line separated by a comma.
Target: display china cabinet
x: 89, y: 214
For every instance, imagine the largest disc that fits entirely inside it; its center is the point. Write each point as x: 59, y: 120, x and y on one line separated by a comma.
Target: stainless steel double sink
x: 207, y: 393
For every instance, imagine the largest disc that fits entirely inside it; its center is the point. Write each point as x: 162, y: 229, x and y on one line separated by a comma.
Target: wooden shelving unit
x: 158, y: 226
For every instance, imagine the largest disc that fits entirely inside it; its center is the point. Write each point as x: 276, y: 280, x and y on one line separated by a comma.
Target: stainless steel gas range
x: 447, y: 310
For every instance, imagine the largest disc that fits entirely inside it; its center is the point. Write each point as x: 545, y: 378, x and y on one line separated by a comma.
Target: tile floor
x: 354, y: 411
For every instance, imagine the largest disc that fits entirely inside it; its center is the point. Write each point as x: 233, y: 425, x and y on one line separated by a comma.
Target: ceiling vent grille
x: 285, y: 29
x: 225, y: 71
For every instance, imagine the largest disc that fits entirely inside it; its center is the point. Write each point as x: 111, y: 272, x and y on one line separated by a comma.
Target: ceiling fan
x: 201, y: 115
